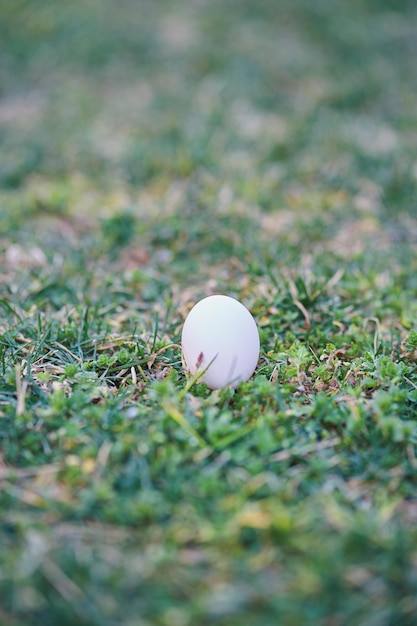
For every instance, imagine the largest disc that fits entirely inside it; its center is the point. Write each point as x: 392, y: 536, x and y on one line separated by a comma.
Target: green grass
x: 154, y: 153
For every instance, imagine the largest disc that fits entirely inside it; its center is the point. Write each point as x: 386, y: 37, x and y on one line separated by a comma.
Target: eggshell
x: 220, y: 336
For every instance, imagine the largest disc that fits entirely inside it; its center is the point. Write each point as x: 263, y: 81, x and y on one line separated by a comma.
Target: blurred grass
x: 154, y: 153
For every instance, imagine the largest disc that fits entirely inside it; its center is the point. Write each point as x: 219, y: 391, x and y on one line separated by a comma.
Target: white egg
x: 220, y: 336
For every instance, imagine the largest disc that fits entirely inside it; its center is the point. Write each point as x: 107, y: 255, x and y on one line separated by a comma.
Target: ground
x: 153, y: 154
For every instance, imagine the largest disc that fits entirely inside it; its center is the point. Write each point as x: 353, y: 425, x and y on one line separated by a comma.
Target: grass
x: 154, y: 154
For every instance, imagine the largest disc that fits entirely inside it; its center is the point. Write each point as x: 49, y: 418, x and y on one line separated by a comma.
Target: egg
x: 220, y: 340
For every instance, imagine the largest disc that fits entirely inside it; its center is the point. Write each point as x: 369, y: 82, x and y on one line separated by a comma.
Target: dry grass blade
x: 62, y: 583
x: 285, y: 455
x: 7, y: 472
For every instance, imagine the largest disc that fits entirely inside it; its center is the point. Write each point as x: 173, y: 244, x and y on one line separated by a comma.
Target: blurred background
x: 215, y: 136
